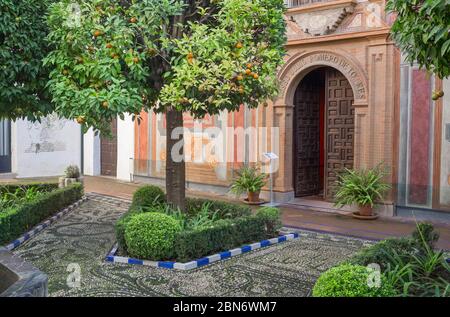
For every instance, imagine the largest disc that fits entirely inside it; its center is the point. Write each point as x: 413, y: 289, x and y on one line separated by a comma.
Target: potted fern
x: 249, y: 180
x: 362, y: 188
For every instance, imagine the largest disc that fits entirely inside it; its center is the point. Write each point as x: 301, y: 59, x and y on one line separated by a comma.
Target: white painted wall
x: 46, y: 148
x: 125, y: 148
x: 91, y: 153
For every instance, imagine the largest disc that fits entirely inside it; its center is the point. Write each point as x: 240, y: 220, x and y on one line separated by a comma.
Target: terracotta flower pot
x: 253, y: 197
x: 365, y: 210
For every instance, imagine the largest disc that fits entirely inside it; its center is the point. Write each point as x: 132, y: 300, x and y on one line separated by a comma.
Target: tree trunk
x: 175, y: 164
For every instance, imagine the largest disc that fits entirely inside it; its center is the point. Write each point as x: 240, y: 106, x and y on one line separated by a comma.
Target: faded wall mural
x: 45, y: 136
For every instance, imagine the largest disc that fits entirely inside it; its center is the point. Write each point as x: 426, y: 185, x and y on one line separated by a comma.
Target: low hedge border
x: 227, y: 210
x: 113, y: 258
x: 16, y: 243
x: 14, y: 222
x: 11, y: 188
x: 225, y: 234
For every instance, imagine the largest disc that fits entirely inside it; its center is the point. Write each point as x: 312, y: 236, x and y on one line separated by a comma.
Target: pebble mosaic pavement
x: 85, y: 235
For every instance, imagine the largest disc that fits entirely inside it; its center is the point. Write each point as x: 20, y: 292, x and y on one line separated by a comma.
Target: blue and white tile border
x: 112, y: 257
x: 16, y: 243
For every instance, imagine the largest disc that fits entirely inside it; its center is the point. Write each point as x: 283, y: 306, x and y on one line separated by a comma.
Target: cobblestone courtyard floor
x: 85, y: 235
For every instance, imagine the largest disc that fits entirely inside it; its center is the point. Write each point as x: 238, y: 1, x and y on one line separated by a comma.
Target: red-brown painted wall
x: 419, y: 172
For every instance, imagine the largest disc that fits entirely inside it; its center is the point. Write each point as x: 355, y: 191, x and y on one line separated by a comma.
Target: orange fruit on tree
x: 248, y: 71
x: 256, y: 76
x: 151, y: 51
x: 239, y: 77
x: 133, y: 20
x: 109, y: 45
x: 81, y: 119
x: 97, y: 33
x: 239, y: 45
x: 249, y: 65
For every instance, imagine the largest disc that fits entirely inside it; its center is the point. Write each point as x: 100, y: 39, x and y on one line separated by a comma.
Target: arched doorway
x: 323, y: 132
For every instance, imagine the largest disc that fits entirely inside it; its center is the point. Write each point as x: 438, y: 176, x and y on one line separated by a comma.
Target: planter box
x: 112, y: 257
x: 65, y: 182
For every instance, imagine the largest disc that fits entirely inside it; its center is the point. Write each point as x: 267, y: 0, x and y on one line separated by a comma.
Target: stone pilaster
x: 282, y: 119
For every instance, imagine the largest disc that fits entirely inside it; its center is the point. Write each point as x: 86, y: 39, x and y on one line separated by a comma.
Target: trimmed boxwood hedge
x: 43, y: 187
x: 120, y: 227
x: 236, y: 226
x: 226, y: 210
x: 146, y: 196
x: 18, y: 220
x: 151, y: 235
x: 224, y: 235
x: 272, y: 217
x: 149, y: 194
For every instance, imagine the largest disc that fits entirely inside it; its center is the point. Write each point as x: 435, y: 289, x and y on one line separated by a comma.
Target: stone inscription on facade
x: 329, y: 59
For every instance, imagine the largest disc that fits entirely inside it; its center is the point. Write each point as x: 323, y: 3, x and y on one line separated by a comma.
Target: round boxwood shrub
x: 151, y: 235
x: 148, y: 196
x: 120, y: 227
x: 272, y: 218
x: 348, y: 280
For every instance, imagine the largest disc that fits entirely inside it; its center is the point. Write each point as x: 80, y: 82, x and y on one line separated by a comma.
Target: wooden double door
x: 108, y: 152
x: 323, y: 132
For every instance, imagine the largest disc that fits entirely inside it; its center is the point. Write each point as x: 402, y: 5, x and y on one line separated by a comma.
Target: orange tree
x: 22, y: 74
x: 168, y: 56
x: 422, y: 31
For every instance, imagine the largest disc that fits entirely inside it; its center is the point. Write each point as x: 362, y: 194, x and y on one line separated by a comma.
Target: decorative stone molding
x: 291, y: 74
x: 321, y: 22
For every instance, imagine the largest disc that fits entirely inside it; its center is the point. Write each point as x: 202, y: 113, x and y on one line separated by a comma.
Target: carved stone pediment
x: 321, y: 21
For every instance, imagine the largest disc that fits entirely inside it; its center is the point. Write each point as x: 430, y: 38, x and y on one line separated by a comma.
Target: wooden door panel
x: 340, y: 117
x: 108, y: 152
x: 306, y: 136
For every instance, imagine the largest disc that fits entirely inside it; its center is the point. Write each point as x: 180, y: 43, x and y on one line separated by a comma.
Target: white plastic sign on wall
x: 271, y: 156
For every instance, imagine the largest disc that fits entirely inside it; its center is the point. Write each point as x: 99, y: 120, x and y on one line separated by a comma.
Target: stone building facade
x: 341, y: 74
x: 347, y: 100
